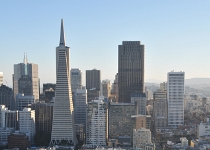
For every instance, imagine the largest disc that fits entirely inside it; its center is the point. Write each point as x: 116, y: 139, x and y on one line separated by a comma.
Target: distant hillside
x: 199, y: 81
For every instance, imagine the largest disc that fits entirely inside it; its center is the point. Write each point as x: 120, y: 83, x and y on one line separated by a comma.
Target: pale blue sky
x: 176, y: 35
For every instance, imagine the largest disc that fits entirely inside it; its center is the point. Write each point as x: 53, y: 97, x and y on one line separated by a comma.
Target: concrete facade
x: 141, y: 137
x: 160, y: 109
x: 175, y: 96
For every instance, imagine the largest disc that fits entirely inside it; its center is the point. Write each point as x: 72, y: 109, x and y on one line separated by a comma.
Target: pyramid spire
x: 62, y: 35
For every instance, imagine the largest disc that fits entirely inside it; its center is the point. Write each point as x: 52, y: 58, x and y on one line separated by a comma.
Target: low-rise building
x: 141, y: 137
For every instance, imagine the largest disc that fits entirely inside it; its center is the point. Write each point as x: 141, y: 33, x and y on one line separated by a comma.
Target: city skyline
x: 176, y: 36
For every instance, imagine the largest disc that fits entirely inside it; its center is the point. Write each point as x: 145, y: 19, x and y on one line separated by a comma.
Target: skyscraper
x: 63, y: 114
x: 130, y: 69
x: 76, y: 79
x: 93, y: 79
x: 175, y: 95
x: 26, y: 74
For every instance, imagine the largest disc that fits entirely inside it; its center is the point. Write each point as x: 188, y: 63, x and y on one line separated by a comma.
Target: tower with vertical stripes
x: 63, y: 131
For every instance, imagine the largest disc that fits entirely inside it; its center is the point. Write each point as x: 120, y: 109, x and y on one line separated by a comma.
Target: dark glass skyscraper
x: 93, y: 79
x: 130, y: 69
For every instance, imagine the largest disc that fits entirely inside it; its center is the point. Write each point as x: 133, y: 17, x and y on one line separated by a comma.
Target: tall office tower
x: 63, y: 114
x: 26, y: 74
x: 140, y: 100
x: 80, y: 106
x: 175, y: 95
x: 93, y: 79
x: 160, y: 109
x: 106, y: 88
x: 76, y: 79
x: 23, y: 101
x: 1, y: 78
x: 44, y: 116
x: 163, y: 86
x: 27, y: 123
x: 97, y: 125
x: 120, y: 121
x: 130, y: 69
x: 141, y: 137
x: 6, y: 97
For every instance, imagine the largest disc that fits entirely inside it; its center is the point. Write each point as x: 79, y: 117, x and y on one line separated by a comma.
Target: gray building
x: 139, y: 99
x: 29, y: 69
x: 6, y: 97
x: 120, y: 122
x: 130, y: 69
x: 25, y: 85
x: 80, y: 106
x: 44, y: 116
x: 76, y: 79
x: 160, y: 109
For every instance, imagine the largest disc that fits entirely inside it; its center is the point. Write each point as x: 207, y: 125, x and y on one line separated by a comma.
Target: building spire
x: 62, y: 35
x: 25, y: 60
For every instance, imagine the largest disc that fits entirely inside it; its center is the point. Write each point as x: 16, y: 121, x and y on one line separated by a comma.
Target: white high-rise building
x: 97, y: 123
x: 63, y: 128
x: 27, y: 123
x: 26, y: 75
x: 76, y: 79
x: 1, y: 78
x: 80, y: 104
x: 175, y: 95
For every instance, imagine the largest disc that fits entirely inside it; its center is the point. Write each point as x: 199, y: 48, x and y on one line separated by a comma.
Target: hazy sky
x: 176, y: 35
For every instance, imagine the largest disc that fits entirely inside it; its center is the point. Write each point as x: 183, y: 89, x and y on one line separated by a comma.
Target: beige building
x: 141, y: 137
x: 163, y: 86
x: 141, y: 121
x: 160, y: 109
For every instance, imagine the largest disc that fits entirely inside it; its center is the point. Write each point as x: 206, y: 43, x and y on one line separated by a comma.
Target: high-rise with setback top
x: 130, y: 69
x: 63, y: 129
